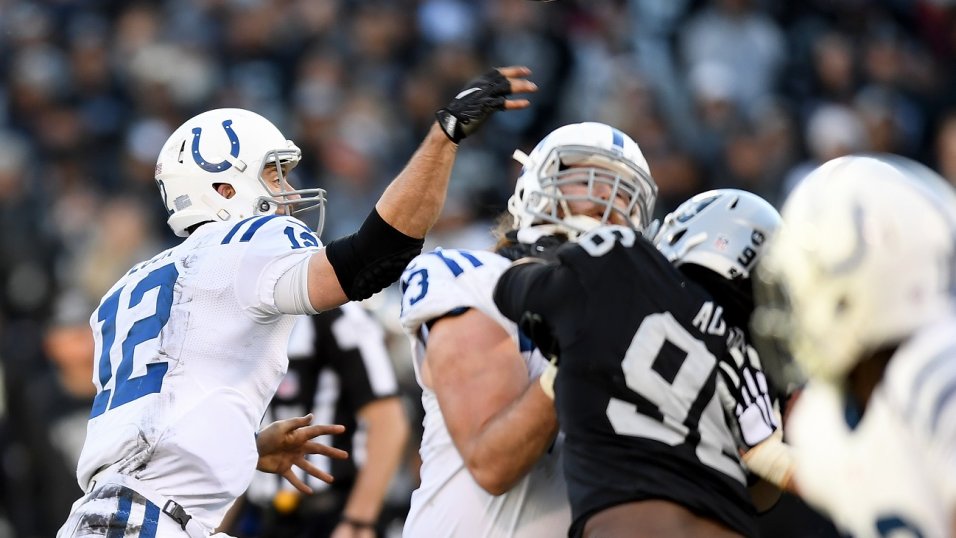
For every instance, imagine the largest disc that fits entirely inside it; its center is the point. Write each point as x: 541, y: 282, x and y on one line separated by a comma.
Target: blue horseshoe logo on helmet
x: 222, y: 165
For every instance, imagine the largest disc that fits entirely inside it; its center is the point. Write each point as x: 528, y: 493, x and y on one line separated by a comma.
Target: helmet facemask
x: 576, y: 178
x: 307, y: 205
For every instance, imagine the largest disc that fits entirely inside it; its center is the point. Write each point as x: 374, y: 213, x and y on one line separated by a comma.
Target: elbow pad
x: 372, y: 258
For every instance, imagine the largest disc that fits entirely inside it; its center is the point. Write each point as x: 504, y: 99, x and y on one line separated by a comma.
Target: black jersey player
x: 653, y: 353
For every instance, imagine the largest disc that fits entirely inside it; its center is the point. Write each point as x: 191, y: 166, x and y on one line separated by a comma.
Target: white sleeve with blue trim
x: 443, y: 280
x: 921, y: 382
x: 893, y: 468
x: 273, y: 245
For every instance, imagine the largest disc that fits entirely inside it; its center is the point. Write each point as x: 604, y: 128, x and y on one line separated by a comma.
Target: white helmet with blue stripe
x: 605, y: 160
x: 866, y: 256
x: 229, y: 146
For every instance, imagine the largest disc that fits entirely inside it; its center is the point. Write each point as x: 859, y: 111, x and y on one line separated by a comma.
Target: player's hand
x: 534, y: 327
x: 745, y: 395
x: 481, y: 98
x: 285, y: 444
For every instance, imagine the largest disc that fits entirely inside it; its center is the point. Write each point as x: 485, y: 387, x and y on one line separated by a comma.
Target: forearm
x: 413, y: 201
x: 513, y: 440
x: 513, y: 289
x: 385, y: 445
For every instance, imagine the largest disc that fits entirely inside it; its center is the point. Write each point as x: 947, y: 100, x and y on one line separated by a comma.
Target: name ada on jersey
x: 190, y: 347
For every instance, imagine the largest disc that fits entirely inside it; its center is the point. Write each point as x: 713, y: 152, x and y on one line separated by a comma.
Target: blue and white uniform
x: 891, y: 472
x: 449, y: 502
x: 190, y: 347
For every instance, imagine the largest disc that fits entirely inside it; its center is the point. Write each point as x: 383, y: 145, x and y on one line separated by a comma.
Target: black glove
x: 537, y: 330
x: 479, y: 99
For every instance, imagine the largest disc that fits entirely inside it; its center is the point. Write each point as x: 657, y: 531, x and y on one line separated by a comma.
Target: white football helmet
x: 866, y: 255
x: 231, y: 146
x: 589, y: 154
x: 724, y: 230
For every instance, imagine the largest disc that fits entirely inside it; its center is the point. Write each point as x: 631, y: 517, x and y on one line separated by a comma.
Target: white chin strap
x: 521, y: 157
x: 581, y: 223
x: 573, y: 227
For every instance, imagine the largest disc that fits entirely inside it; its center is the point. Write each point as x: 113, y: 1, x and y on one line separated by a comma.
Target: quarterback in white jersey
x: 858, y: 286
x: 174, y: 386
x: 191, y: 345
x: 450, y: 501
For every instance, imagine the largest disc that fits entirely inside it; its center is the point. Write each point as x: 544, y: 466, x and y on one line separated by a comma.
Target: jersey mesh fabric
x: 193, y: 440
x: 894, y: 469
x: 449, y: 502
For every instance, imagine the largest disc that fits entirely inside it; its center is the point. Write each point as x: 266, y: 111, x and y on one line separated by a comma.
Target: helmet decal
x: 724, y: 230
x: 223, y: 165
x: 188, y: 187
x: 855, y: 258
x: 617, y: 141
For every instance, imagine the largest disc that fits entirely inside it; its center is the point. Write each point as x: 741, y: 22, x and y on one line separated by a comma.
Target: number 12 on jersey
x: 127, y: 388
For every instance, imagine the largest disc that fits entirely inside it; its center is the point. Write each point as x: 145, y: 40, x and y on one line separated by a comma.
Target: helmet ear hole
x: 224, y: 189
x: 677, y: 237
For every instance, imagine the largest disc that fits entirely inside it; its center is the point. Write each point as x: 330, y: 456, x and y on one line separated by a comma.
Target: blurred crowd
x: 718, y: 93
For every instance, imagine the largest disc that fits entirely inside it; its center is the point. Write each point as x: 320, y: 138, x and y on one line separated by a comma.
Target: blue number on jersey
x: 452, y: 265
x: 130, y: 388
x: 307, y: 236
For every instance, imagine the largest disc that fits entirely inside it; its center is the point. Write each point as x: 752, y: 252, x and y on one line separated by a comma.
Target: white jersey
x: 449, y: 502
x: 190, y: 347
x: 894, y: 473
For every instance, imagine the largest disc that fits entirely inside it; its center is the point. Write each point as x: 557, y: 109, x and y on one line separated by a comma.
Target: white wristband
x: 772, y: 460
x: 546, y: 379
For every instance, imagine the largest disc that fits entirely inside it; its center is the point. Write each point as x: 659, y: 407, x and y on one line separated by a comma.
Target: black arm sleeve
x: 371, y: 258
x: 534, y: 295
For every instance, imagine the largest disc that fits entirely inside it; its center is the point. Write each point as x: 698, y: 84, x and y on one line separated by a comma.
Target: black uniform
x: 636, y: 389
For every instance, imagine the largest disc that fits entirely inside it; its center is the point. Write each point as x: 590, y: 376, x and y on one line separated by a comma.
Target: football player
x: 653, y: 353
x: 491, y: 451
x: 858, y: 287
x: 191, y: 344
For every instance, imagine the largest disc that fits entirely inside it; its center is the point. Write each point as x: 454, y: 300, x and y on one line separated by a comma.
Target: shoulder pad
x: 437, y: 282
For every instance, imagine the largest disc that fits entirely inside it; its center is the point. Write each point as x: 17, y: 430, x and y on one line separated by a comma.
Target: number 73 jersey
x: 190, y: 347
